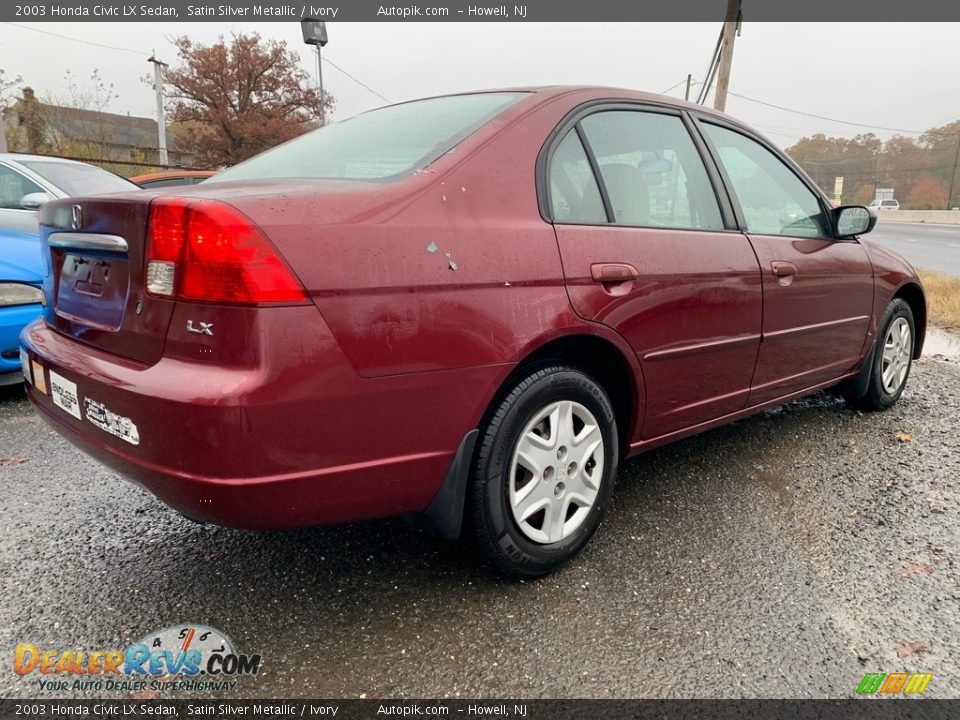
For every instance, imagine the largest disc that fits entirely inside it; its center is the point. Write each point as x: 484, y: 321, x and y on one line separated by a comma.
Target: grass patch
x: 943, y: 298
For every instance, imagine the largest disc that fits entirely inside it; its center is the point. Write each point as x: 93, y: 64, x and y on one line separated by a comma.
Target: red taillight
x: 208, y: 251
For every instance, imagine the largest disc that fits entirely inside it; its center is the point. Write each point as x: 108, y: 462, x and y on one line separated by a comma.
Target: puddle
x: 941, y: 342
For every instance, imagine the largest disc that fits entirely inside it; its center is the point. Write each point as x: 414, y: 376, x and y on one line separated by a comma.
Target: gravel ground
x: 782, y: 556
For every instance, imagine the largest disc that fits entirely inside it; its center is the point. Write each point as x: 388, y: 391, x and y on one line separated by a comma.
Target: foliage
x: 927, y: 194
x: 918, y: 170
x: 238, y: 97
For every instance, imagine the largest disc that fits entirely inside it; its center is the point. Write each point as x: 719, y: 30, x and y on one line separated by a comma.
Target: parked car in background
x: 28, y: 181
x: 172, y: 178
x: 20, y: 295
x: 888, y: 204
x: 467, y: 308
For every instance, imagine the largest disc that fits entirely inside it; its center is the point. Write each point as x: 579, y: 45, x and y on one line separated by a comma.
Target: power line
x: 835, y: 120
x: 77, y: 40
x: 141, y: 52
x: 673, y: 87
x: 357, y: 81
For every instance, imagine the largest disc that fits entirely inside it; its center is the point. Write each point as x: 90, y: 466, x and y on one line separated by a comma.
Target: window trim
x: 701, y: 119
x: 572, y: 122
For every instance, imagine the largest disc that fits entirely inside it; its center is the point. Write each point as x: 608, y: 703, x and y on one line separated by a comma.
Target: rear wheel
x: 544, y: 471
x: 892, y: 359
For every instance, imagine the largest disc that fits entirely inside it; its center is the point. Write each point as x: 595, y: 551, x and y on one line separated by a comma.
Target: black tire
x: 495, y: 528
x: 877, y: 397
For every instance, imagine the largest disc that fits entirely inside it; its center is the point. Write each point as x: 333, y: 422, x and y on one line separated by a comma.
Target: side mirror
x: 852, y: 220
x: 33, y: 201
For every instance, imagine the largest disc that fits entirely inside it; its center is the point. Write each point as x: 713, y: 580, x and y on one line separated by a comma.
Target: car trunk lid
x: 94, y: 276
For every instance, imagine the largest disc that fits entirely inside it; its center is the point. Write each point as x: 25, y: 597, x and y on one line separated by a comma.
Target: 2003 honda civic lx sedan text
x: 466, y: 308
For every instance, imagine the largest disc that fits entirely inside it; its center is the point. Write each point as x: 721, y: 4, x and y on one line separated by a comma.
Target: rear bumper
x: 288, y: 440
x: 12, y: 321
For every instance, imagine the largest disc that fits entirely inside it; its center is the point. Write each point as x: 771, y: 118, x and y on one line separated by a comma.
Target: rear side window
x: 652, y: 171
x: 574, y: 195
x: 773, y: 199
x: 377, y: 145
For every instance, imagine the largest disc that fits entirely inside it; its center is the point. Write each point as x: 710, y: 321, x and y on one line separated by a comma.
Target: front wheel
x: 892, y: 359
x: 544, y: 471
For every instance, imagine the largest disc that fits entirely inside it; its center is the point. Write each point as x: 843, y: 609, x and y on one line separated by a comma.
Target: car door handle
x: 783, y: 269
x: 613, y: 273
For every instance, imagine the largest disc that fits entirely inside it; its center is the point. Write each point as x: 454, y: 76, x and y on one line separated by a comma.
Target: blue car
x: 21, y: 267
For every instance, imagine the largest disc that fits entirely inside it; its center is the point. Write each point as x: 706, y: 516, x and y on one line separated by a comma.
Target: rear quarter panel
x: 450, y: 268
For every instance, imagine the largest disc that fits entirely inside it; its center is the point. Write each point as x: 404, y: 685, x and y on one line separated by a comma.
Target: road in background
x: 931, y: 247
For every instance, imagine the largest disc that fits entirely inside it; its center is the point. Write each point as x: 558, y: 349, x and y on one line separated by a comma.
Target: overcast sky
x: 901, y: 75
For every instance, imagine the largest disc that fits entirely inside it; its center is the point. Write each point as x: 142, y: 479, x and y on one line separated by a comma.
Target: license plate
x: 39, y: 379
x: 25, y: 365
x: 64, y: 394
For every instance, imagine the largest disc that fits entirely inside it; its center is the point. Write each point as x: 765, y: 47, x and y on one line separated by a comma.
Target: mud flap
x: 444, y: 517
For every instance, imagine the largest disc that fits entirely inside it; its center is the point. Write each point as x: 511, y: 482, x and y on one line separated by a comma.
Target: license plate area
x: 92, y: 290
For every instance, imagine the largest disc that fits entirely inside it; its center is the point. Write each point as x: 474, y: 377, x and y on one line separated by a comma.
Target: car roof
x: 19, y: 157
x: 610, y: 91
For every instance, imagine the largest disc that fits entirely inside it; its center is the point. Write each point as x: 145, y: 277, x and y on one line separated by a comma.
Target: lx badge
x: 204, y: 329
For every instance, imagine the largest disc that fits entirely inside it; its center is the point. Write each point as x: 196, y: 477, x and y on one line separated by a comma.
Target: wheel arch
x: 600, y: 353
x: 912, y: 294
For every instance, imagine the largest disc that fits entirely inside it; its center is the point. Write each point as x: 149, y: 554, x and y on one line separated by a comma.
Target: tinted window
x: 574, y: 196
x: 78, y: 179
x: 890, y: 203
x: 378, y: 144
x: 773, y: 199
x: 652, y: 171
x: 14, y: 186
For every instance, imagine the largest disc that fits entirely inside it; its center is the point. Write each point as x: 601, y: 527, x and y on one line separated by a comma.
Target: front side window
x: 13, y: 186
x: 773, y: 199
x: 653, y: 174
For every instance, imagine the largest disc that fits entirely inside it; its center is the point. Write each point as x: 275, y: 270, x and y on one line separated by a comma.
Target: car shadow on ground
x: 381, y: 554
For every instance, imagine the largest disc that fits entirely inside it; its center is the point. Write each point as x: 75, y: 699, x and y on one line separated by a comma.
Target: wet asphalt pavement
x: 782, y: 556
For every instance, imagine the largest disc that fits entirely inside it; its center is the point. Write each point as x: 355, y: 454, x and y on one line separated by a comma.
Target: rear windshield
x: 377, y: 145
x: 78, y: 179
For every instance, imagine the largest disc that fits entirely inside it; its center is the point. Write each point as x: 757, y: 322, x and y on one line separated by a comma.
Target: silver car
x: 28, y: 181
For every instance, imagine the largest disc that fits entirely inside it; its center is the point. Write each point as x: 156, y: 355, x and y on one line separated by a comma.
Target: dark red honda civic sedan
x: 465, y: 308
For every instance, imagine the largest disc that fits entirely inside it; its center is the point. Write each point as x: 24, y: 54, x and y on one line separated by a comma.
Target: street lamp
x: 315, y: 33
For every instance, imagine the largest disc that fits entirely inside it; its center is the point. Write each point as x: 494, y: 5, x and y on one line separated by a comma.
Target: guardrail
x: 943, y: 217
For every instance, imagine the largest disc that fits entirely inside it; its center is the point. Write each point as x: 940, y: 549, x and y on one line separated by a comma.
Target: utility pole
x: 161, y: 121
x: 323, y: 109
x: 315, y: 33
x: 730, y: 26
x: 953, y: 175
x: 686, y: 95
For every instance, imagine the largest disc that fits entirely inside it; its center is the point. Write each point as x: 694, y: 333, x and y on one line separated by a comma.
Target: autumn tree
x: 927, y: 194
x: 904, y: 162
x: 238, y: 97
x: 943, y: 146
x: 6, y: 85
